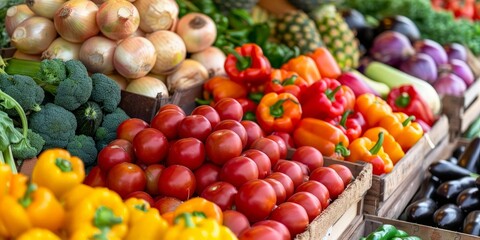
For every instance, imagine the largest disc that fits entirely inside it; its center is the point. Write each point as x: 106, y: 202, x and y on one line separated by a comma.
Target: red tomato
x: 110, y: 156
x: 279, y: 189
x: 285, y: 180
x: 153, y: 173
x: 328, y: 177
x: 126, y: 145
x: 238, y: 171
x: 229, y: 108
x: 221, y: 193
x: 269, y: 147
x: 317, y: 189
x: 292, y: 170
x: 259, y: 233
x: 125, y: 178
x: 344, y: 173
x: 196, y: 126
x: 309, y: 156
x: 287, y: 138
x: 235, y: 221
x: 172, y: 107
x: 209, y: 112
x: 205, y: 175
x: 282, y: 146
x: 292, y: 215
x: 305, y: 169
x: 141, y: 195
x: 188, y: 152
x: 150, y: 146
x: 235, y: 126
x: 130, y: 127
x: 166, y: 204
x: 279, y: 227
x: 222, y: 145
x: 261, y: 159
x: 309, y: 202
x: 254, y: 131
x: 96, y: 178
x: 168, y: 122
x: 177, y: 181
x: 255, y: 199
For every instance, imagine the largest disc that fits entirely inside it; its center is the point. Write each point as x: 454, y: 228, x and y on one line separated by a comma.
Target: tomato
x: 305, y: 169
x: 259, y: 233
x: 318, y: 190
x: 130, y: 127
x: 285, y: 180
x: 153, y: 173
x: 209, y: 112
x: 328, y: 177
x: 291, y: 169
x: 261, y: 159
x: 188, y: 152
x: 177, y: 181
x: 254, y: 131
x: 269, y: 147
x: 287, y: 138
x: 141, y: 195
x: 205, y: 175
x: 96, y: 178
x: 150, y: 146
x: 235, y: 126
x: 282, y: 146
x: 125, y: 178
x: 172, y: 107
x: 221, y: 193
x: 229, y: 108
x: 309, y: 202
x: 166, y: 204
x: 292, y: 215
x: 238, y: 171
x: 309, y: 156
x: 196, y: 126
x: 235, y: 221
x: 167, y: 122
x: 344, y: 173
x: 126, y: 145
x: 279, y: 227
x: 256, y: 200
x: 222, y: 145
x: 279, y: 189
x: 110, y: 156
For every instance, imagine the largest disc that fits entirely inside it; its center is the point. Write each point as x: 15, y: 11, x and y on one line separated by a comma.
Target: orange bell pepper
x: 278, y: 112
x: 305, y: 67
x: 326, y: 63
x: 364, y: 149
x: 222, y: 87
x: 373, y: 108
x: 349, y: 97
x: 401, y: 127
x: 325, y: 137
x: 283, y: 81
x: 390, y: 146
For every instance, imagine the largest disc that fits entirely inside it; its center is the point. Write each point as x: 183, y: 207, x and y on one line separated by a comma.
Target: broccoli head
x: 24, y: 90
x: 76, y: 89
x: 25, y: 152
x: 107, y: 132
x: 52, y: 71
x: 83, y: 147
x: 106, y: 92
x: 55, y: 124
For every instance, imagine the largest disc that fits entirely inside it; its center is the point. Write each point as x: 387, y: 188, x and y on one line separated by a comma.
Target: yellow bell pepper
x: 198, y: 204
x: 390, y: 146
x: 57, y: 170
x: 401, y: 127
x: 5, y: 176
x: 18, y: 185
x: 364, y: 149
x: 38, y: 234
x: 88, y: 232
x: 71, y: 198
x: 195, y: 227
x: 150, y: 226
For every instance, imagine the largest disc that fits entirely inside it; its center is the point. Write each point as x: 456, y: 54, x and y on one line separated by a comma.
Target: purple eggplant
x: 358, y: 86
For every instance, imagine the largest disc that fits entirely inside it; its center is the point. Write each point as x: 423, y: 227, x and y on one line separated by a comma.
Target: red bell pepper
x: 351, y: 123
x: 324, y: 99
x: 247, y: 65
x: 249, y: 108
x: 285, y: 81
x: 408, y: 100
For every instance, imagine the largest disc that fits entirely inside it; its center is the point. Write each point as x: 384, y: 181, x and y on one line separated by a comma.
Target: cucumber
x: 89, y: 117
x: 394, y: 78
x: 379, y: 87
x: 473, y: 130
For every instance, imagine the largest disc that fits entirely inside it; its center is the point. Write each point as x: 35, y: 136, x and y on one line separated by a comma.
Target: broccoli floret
x: 52, y: 71
x: 107, y: 132
x: 83, y: 147
x: 36, y: 143
x: 23, y: 89
x: 76, y: 89
x: 55, y: 124
x: 106, y: 92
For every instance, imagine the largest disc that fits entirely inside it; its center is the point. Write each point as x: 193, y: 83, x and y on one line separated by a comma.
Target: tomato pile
x: 214, y: 154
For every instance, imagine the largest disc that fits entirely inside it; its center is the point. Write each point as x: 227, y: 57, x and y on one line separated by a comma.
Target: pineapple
x: 309, y: 5
x: 336, y: 36
x: 297, y: 29
x: 226, y: 5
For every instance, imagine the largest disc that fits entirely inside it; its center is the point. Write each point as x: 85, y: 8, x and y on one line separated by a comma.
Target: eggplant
x: 469, y: 199
x: 421, y: 211
x: 365, y: 36
x: 471, y: 224
x: 399, y: 24
x: 448, y: 191
x: 354, y: 18
x: 470, y: 158
x: 427, y: 189
x: 449, y: 216
x: 458, y: 151
x: 446, y: 171
x: 453, y: 160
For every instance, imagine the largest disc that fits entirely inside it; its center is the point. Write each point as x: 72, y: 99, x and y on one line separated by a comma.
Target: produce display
x: 389, y: 232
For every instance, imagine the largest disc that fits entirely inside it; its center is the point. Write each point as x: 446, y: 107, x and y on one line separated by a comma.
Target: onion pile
x: 157, y: 14
x: 45, y: 8
x: 62, y: 49
x: 75, y: 20
x: 15, y: 16
x: 171, y: 51
x: 134, y: 57
x: 118, y: 19
x: 97, y: 54
x: 34, y: 35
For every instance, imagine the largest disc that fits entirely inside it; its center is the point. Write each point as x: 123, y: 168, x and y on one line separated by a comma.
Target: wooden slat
x: 143, y: 107
x: 185, y: 98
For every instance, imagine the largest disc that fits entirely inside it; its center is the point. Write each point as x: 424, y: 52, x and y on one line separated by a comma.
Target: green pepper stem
x: 378, y: 145
x: 242, y: 62
x: 63, y: 164
x: 342, y: 150
x: 105, y: 218
x: 408, y: 120
x: 403, y: 100
x: 277, y: 110
x: 331, y: 94
x: 344, y: 118
x: 249, y: 116
x: 199, y: 214
x: 142, y: 207
x: 187, y: 217
x: 290, y: 80
x: 255, y: 96
x: 26, y: 200
x: 200, y: 101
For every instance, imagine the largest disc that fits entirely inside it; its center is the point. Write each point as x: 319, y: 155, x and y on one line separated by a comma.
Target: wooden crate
x: 340, y: 213
x: 7, y: 52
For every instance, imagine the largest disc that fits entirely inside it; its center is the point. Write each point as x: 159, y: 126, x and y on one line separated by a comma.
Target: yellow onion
x: 188, y: 74
x: 147, y: 86
x: 15, y: 16
x: 119, y: 79
x: 213, y: 59
x: 117, y: 19
x: 100, y: 2
x: 170, y: 49
x: 134, y: 57
x: 97, y: 54
x: 197, y: 30
x: 157, y: 14
x: 20, y: 55
x: 34, y: 35
x: 75, y: 20
x: 45, y: 8
x: 62, y: 49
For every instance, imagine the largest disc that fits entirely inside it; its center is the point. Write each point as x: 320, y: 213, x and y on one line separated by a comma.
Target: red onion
x: 433, y: 49
x: 460, y: 69
x: 456, y: 51
x: 450, y: 84
x: 421, y: 66
x: 391, y: 48
x: 357, y: 84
